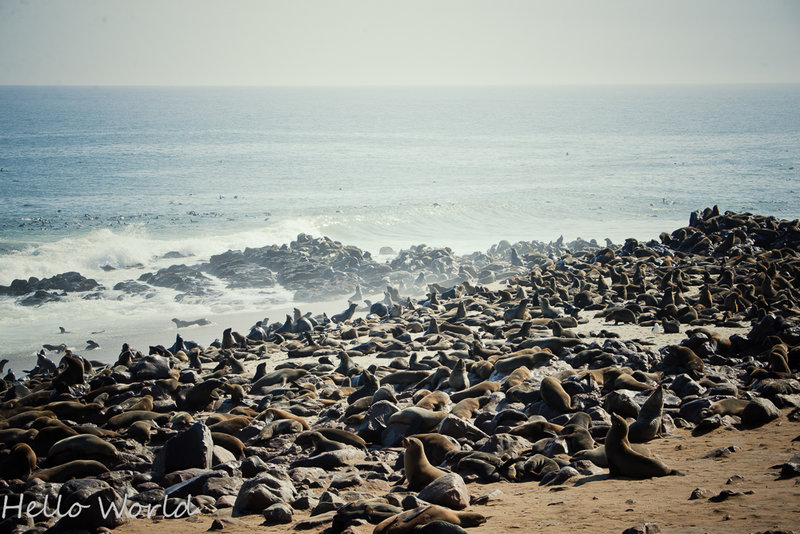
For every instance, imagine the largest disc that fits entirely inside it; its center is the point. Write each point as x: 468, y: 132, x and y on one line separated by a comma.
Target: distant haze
x: 410, y: 42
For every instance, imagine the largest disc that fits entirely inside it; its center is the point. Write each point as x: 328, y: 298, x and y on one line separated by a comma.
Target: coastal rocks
x: 181, y: 278
x: 759, y: 411
x: 191, y: 448
x: 96, y: 499
x: 69, y: 282
x: 263, y: 491
x: 152, y: 366
x: 233, y: 267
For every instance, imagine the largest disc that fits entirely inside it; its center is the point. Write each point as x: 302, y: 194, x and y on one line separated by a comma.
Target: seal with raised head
x: 648, y: 424
x: 418, y: 470
x: 626, y: 462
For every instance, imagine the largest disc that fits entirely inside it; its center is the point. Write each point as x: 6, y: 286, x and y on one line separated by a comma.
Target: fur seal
x: 69, y: 470
x: 418, y: 419
x: 434, y: 401
x: 466, y: 408
x: 624, y: 461
x: 436, y: 446
x: 553, y: 394
x: 678, y: 356
x: 726, y: 406
x: 271, y: 414
x: 407, y: 522
x: 648, y: 423
x: 19, y: 463
x: 418, y: 470
x: 478, y: 390
x: 458, y: 377
x: 533, y: 431
x: 81, y: 447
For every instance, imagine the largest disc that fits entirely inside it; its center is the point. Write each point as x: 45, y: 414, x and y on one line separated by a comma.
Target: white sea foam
x: 123, y: 252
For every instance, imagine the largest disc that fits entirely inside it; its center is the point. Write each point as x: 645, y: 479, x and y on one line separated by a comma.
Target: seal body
x: 419, y: 471
x: 624, y: 461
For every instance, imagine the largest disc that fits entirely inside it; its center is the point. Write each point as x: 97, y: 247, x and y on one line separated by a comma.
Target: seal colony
x: 385, y: 417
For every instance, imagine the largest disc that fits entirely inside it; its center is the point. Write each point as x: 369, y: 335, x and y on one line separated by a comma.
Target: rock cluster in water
x: 387, y: 418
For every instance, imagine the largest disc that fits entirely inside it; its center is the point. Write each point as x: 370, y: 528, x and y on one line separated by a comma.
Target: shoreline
x: 307, y: 428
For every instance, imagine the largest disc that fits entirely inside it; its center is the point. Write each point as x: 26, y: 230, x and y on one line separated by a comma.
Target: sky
x: 408, y: 42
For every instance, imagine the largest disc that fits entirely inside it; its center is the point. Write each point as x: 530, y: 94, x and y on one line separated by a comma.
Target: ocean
x: 106, y: 180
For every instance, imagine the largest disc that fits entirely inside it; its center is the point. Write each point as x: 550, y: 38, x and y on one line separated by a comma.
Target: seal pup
x: 626, y: 462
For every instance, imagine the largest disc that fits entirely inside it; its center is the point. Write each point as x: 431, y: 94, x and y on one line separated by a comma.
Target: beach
x: 536, y: 369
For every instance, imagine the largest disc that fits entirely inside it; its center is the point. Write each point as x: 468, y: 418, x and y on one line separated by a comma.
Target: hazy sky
x: 402, y: 42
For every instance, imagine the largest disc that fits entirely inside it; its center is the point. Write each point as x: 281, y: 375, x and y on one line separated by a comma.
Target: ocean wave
x: 113, y: 255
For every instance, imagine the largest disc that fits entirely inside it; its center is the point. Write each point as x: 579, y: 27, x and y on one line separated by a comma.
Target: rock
x: 39, y: 297
x: 458, y: 428
x: 191, y: 448
x: 449, y: 491
x: 723, y: 452
x: 500, y: 444
x: 96, y: 498
x: 263, y: 491
x: 790, y: 470
x: 724, y: 495
x: 182, y: 278
x: 647, y: 528
x: 699, y: 493
x: 683, y: 385
x: 221, y: 455
x: 704, y: 426
x: 278, y: 514
x: 484, y: 498
x: 218, y: 486
x: 252, y: 466
x: 152, y: 367
x: 233, y: 267
x: 328, y: 502
x: 759, y: 411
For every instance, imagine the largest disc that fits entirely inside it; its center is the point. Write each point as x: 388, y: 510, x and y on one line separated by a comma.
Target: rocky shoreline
x: 512, y: 368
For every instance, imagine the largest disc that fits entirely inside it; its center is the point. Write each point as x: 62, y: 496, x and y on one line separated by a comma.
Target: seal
x: 81, y: 447
x: 458, y: 377
x: 466, y: 408
x: 626, y: 462
x: 418, y: 419
x: 680, y: 357
x: 418, y: 470
x: 73, y: 469
x: 434, y: 401
x: 436, y: 446
x: 554, y: 395
x: 478, y: 390
x: 271, y: 414
x: 648, y: 424
x: 408, y: 521
x: 726, y: 406
x: 20, y: 463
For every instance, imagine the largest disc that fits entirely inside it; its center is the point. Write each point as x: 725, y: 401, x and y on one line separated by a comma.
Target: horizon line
x: 415, y: 85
